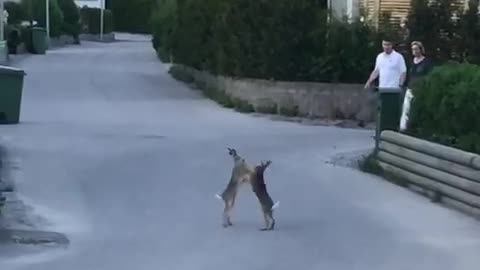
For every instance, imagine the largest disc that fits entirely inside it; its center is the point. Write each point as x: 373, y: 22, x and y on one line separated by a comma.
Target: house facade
x: 372, y: 10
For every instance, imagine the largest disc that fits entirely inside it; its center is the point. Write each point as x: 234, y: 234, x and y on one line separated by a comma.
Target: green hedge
x: 163, y: 22
x: 132, y: 16
x: 90, y: 20
x: 71, y: 17
x: 446, y: 107
x: 15, y: 12
x: 281, y: 40
x: 35, y: 10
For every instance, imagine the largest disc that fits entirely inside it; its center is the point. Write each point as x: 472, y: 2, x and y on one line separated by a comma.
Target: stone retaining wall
x: 310, y: 99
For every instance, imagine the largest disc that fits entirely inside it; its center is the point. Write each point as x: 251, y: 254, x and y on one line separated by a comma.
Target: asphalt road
x: 125, y: 162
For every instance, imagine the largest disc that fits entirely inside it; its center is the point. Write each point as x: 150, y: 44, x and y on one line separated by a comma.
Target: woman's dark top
x: 419, y: 70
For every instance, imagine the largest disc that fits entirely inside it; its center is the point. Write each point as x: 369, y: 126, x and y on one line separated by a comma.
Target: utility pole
x: 47, y: 20
x: 102, y: 7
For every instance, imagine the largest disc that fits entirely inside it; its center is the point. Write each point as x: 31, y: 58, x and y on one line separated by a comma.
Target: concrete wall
x: 315, y: 100
x: 446, y: 174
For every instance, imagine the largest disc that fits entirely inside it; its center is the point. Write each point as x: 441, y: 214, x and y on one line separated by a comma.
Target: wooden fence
x: 452, y: 175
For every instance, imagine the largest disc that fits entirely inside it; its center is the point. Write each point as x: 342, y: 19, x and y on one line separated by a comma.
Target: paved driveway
x: 125, y: 161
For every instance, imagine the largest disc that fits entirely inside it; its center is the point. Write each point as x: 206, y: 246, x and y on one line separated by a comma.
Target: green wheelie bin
x: 11, y: 86
x: 39, y: 40
x: 389, y: 110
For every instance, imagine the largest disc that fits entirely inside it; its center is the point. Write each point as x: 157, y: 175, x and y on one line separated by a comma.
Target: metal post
x: 2, y: 35
x: 101, y: 18
x: 47, y: 20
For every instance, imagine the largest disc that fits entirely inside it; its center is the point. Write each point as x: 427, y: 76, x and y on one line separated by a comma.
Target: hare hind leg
x: 229, y: 204
x: 269, y: 221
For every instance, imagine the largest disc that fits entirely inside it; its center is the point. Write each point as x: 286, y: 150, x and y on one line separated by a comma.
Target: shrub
x: 178, y: 73
x: 446, y: 107
x: 90, y: 20
x: 132, y: 16
x: 163, y: 55
x: 37, y: 9
x: 223, y: 99
x: 13, y: 36
x: 242, y: 105
x: 268, y: 109
x: 15, y: 12
x: 341, y: 60
x: 192, y: 39
x: 163, y: 23
x: 71, y: 17
x: 470, y: 34
x: 282, y: 40
x: 431, y: 22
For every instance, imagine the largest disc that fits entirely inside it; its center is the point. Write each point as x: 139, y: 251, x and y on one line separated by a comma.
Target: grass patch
x: 369, y: 164
x: 179, y: 74
x: 242, y: 106
x: 223, y: 99
x: 219, y: 96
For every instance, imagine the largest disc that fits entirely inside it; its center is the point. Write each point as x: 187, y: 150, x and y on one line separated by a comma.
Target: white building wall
x: 89, y: 3
x: 345, y: 8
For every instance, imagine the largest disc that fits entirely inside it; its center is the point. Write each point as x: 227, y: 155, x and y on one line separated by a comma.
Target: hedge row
x: 132, y: 16
x: 447, y: 105
x: 293, y: 40
x: 447, y: 31
x: 90, y: 20
x: 63, y: 15
x: 281, y: 40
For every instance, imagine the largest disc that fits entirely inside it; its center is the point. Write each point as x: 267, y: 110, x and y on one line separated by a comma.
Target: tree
x: 15, y: 12
x: 470, y: 33
x: 71, y: 17
x: 431, y: 22
x: 163, y: 24
x: 36, y: 11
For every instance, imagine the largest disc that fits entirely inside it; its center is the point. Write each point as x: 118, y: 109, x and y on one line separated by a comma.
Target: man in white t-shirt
x: 390, y: 68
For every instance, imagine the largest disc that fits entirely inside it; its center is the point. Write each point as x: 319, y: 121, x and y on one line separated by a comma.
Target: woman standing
x: 420, y: 65
x: 419, y: 68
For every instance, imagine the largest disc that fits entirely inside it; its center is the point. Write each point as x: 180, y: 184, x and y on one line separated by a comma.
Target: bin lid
x: 11, y: 70
x: 39, y: 29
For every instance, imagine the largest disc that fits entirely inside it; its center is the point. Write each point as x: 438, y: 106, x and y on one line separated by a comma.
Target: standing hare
x: 241, y: 173
x: 260, y: 189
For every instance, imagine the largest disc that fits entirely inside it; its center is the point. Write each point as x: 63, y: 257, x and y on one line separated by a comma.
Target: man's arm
x: 373, y: 75
x: 403, y: 70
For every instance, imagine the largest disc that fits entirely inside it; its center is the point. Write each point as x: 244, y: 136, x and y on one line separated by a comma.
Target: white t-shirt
x: 390, y: 68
